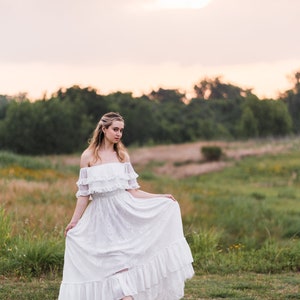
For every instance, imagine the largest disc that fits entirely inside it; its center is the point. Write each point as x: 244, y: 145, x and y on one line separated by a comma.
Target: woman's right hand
x: 70, y: 226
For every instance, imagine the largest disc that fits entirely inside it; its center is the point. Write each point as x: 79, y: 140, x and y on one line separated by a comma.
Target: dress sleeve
x: 132, y: 176
x: 82, y: 183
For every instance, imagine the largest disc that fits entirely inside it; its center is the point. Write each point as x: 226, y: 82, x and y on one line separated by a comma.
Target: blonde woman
x: 122, y: 242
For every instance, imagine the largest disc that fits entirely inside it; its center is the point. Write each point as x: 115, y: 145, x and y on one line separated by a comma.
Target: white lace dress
x: 124, y: 245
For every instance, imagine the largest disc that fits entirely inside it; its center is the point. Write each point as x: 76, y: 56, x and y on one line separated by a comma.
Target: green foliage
x: 292, y: 100
x: 27, y: 162
x: 248, y: 124
x: 4, y: 101
x: 209, y: 257
x: 5, y: 231
x: 64, y: 122
x: 244, y: 219
x: 216, y: 89
x: 211, y: 153
x: 204, y: 245
x: 28, y: 254
x: 265, y: 118
x: 35, y: 256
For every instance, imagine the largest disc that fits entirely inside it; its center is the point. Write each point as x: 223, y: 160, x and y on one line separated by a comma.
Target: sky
x: 141, y: 45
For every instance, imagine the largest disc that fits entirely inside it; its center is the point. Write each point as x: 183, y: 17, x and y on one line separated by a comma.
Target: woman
x: 122, y: 242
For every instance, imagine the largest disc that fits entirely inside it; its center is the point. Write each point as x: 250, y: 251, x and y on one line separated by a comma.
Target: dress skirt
x: 126, y: 246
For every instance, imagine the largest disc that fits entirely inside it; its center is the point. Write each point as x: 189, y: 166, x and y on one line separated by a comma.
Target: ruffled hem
x: 162, y: 277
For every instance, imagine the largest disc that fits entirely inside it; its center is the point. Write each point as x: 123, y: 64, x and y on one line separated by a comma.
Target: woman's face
x: 114, y: 132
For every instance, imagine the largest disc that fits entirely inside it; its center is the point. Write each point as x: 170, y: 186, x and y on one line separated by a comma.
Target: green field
x: 242, y: 223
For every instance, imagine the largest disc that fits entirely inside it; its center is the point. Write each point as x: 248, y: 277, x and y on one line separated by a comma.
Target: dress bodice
x: 105, y: 178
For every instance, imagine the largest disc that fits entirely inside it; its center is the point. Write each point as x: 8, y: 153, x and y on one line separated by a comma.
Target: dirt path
x: 179, y: 161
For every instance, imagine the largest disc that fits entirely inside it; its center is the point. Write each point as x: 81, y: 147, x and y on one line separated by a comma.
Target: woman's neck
x: 107, y: 147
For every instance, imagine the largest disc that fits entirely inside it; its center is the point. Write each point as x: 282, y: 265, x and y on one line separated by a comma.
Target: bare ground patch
x: 184, y: 160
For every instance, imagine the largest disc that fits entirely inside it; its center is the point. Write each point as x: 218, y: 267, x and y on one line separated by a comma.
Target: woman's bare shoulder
x: 126, y: 157
x: 86, y: 158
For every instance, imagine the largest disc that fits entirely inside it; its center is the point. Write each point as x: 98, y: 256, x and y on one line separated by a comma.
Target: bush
x: 211, y: 153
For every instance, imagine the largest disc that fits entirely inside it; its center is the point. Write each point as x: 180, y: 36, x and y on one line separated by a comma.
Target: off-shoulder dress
x: 124, y: 245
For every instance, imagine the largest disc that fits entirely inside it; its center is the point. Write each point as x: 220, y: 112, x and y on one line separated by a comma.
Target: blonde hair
x: 98, y: 136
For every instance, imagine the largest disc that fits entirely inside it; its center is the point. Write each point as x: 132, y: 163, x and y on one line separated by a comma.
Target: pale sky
x: 140, y: 45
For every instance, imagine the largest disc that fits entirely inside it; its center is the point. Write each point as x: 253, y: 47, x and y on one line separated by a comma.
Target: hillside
x: 184, y: 160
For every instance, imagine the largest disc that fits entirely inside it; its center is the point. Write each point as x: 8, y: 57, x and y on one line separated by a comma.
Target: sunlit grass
x: 241, y: 221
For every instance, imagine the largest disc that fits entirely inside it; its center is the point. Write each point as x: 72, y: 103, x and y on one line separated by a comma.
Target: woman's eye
x: 117, y: 129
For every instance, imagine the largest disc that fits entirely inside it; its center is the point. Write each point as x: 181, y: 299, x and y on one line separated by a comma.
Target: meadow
x: 242, y: 221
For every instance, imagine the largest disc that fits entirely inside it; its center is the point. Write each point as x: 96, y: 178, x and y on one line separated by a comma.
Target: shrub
x: 211, y: 153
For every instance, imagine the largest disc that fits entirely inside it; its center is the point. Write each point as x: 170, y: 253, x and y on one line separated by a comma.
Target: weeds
x: 243, y: 219
x: 28, y: 254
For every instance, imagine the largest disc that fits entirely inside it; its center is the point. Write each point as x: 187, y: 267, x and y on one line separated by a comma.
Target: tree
x: 86, y: 100
x: 17, y: 127
x: 248, y: 124
x: 272, y: 117
x: 292, y: 99
x: 4, y: 101
x: 167, y: 96
x: 216, y: 89
x: 43, y: 127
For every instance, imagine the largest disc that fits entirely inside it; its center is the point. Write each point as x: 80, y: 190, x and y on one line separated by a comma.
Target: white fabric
x: 124, y: 245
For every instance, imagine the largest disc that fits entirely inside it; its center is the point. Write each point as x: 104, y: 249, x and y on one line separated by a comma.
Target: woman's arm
x: 137, y: 193
x: 82, y: 201
x: 81, y: 205
x: 141, y: 194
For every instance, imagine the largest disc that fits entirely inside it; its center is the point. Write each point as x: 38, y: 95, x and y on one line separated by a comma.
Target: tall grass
x: 271, y: 257
x: 5, y: 231
x: 29, y: 253
x: 34, y: 210
x: 27, y: 162
x: 244, y: 218
x: 248, y: 215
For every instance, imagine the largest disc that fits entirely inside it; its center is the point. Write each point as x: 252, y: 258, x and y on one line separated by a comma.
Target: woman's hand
x: 70, y: 226
x: 169, y: 196
x: 141, y: 194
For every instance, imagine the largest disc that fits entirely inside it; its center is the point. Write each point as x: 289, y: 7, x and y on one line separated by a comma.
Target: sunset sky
x: 141, y: 45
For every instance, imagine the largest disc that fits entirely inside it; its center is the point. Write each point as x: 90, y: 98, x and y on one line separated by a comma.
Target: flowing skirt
x: 125, y: 246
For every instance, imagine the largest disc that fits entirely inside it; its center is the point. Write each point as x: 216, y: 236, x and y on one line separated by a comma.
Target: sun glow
x: 180, y: 4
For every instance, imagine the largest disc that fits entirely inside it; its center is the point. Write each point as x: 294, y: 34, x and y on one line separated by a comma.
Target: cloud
x: 93, y: 32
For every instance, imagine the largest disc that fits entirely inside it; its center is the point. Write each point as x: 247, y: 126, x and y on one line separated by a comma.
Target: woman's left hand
x: 169, y: 196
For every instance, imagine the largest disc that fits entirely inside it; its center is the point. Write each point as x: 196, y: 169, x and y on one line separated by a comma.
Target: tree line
x: 63, y: 123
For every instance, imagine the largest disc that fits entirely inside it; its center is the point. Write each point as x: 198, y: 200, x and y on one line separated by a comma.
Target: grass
x: 242, y: 224
x: 244, y: 286
x: 241, y: 286
x: 29, y: 289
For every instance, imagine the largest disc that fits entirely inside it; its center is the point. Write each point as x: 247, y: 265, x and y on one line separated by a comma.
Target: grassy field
x: 246, y: 286
x: 242, y: 222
